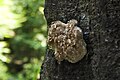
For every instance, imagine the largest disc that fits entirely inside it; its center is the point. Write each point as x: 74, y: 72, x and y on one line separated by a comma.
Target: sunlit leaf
x: 6, y: 50
x: 4, y: 58
x: 41, y: 10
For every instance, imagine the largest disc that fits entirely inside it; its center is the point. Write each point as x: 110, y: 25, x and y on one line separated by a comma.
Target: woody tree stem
x: 100, y: 22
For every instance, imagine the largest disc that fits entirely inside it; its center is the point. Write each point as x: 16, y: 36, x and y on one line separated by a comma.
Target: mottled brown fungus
x: 67, y: 41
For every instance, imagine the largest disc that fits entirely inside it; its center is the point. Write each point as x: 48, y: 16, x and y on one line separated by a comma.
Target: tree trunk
x: 100, y: 22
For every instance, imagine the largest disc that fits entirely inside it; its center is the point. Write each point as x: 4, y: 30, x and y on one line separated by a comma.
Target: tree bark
x: 100, y: 22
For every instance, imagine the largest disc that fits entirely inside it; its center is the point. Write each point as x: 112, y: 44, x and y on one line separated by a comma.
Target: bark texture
x: 100, y: 22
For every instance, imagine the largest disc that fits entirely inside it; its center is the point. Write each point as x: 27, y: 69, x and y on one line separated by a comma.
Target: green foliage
x: 22, y: 39
x: 3, y: 70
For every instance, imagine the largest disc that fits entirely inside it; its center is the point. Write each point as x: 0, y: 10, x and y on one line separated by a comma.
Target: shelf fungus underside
x: 67, y: 41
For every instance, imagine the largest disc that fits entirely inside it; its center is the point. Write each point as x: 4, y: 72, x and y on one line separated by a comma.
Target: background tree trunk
x: 100, y: 22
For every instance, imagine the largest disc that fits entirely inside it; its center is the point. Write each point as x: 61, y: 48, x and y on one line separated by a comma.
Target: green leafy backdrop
x: 22, y: 39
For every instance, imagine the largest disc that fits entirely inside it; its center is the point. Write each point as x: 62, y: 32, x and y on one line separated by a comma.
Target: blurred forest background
x: 22, y: 39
